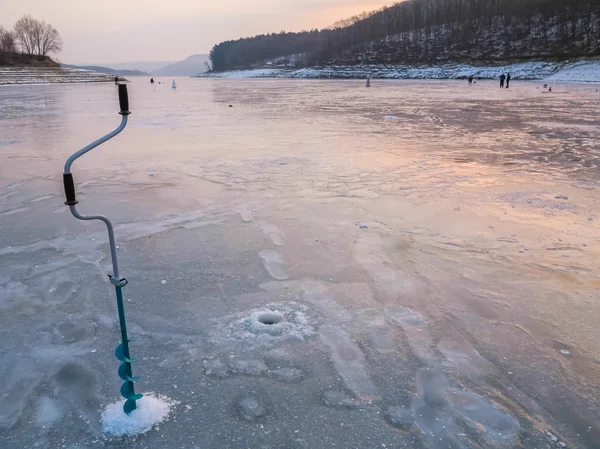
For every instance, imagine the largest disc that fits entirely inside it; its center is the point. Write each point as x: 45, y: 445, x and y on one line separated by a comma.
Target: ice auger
x: 122, y: 351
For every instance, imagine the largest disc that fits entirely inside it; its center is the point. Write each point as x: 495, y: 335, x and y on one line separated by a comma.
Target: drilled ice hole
x: 269, y: 318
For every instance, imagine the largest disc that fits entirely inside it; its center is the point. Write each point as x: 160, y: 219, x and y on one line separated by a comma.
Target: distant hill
x: 107, y: 70
x: 144, y: 66
x: 193, y: 65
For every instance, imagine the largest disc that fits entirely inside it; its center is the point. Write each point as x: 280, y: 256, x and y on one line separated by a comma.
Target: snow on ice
x: 151, y: 410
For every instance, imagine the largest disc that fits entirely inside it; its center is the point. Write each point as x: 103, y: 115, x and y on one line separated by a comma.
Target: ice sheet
x: 303, y: 271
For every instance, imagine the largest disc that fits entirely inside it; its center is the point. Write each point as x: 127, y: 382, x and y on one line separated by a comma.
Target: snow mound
x: 151, y: 410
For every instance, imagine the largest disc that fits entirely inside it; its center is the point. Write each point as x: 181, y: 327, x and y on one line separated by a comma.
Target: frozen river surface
x: 319, y: 265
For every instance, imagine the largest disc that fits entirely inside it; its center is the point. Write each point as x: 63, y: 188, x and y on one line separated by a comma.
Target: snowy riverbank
x: 583, y: 71
x: 50, y: 75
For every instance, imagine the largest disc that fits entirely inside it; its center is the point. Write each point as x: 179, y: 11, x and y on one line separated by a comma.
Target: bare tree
x: 25, y: 33
x: 7, y: 41
x: 37, y: 37
x: 2, y: 33
x: 49, y: 40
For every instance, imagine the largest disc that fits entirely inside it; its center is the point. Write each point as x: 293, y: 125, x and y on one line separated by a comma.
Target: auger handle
x: 68, y: 182
x: 123, y: 100
x: 69, y: 189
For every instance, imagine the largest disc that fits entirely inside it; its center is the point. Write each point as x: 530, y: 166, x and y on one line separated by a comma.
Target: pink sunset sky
x: 169, y: 30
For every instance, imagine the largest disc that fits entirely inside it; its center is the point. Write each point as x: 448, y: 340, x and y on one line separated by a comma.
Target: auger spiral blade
x: 123, y: 373
x: 120, y: 354
x: 127, y: 392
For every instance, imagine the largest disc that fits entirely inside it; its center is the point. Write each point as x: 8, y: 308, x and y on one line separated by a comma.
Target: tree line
x: 433, y: 30
x: 29, y: 37
x: 242, y: 52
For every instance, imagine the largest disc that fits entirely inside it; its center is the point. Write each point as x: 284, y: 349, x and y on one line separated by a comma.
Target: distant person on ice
x: 151, y: 80
x: 507, y: 79
x: 116, y: 80
x: 470, y: 80
x: 502, y: 78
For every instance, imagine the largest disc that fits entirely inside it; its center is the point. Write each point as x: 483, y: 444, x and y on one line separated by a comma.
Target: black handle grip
x: 69, y: 189
x: 123, y: 100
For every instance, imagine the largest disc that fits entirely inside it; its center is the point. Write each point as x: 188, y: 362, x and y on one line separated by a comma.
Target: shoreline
x: 40, y: 76
x: 2, y: 85
x: 564, y: 72
x: 581, y: 71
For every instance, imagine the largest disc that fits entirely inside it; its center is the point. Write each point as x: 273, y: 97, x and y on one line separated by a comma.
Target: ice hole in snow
x: 269, y: 318
x: 263, y: 326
